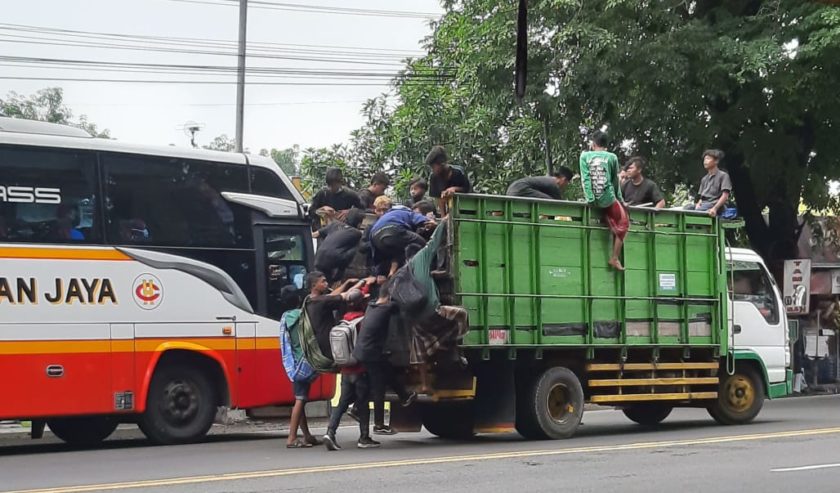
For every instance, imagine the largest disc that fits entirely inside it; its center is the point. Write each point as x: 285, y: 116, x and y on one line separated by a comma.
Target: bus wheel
x: 648, y: 413
x: 740, y: 397
x: 552, y: 407
x: 453, y: 420
x: 181, y: 405
x: 85, y: 431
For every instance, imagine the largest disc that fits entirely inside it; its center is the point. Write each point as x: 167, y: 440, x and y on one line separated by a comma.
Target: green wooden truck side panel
x: 535, y: 273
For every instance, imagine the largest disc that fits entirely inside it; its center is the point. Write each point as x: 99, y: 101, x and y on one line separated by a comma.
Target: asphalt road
x: 793, y: 446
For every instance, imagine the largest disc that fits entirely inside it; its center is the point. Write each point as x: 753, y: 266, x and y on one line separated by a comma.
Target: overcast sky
x: 276, y: 116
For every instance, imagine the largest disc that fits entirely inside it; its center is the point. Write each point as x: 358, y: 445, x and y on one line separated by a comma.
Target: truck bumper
x: 781, y: 389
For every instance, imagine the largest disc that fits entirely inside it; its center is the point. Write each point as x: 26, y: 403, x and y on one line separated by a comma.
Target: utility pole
x: 240, y: 74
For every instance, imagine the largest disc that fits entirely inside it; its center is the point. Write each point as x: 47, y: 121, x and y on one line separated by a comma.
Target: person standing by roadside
x: 355, y: 389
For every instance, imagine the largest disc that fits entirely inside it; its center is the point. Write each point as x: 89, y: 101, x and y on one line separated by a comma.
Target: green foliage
x: 287, y: 159
x: 754, y: 78
x: 221, y: 143
x: 47, y: 105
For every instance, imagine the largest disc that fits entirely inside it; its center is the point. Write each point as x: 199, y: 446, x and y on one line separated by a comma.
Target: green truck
x: 690, y: 323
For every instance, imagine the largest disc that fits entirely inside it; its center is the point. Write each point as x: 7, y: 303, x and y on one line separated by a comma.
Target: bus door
x: 283, y: 257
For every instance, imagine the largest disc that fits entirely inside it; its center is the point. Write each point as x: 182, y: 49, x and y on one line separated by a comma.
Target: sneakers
x: 383, y: 430
x: 368, y: 442
x: 410, y: 399
x: 330, y: 442
x: 353, y: 413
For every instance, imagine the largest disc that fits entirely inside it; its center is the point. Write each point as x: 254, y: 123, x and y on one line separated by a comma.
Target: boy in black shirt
x: 335, y: 200
x: 638, y: 190
x: 542, y: 187
x: 378, y: 184
x: 446, y: 179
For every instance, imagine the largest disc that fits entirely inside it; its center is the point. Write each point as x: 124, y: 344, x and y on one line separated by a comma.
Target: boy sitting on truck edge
x: 602, y: 188
x: 355, y: 389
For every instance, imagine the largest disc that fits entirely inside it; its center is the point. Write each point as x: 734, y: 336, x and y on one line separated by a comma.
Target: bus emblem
x: 148, y: 291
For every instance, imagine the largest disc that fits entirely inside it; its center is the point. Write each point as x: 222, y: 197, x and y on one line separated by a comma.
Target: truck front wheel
x: 740, y: 397
x: 181, y: 405
x: 552, y: 405
x: 83, y: 431
x: 648, y: 414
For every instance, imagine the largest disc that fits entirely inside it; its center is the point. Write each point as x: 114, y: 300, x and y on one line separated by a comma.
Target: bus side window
x: 265, y: 182
x: 48, y: 196
x: 174, y: 202
x: 751, y: 283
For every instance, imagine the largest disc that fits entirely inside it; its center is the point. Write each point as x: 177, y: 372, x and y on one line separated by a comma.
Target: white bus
x: 141, y: 284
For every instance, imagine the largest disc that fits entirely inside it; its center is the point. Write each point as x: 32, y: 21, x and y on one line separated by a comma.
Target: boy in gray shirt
x: 715, y: 187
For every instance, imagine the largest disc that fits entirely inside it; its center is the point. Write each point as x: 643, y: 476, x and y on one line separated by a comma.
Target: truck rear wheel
x: 83, y: 431
x: 181, y: 405
x: 740, y: 397
x: 453, y: 420
x: 648, y: 413
x: 552, y: 405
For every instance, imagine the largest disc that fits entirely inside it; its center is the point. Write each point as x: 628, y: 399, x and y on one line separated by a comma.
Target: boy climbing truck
x: 690, y: 323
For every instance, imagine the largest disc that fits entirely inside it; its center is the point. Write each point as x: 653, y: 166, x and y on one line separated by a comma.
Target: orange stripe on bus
x: 61, y: 254
x: 131, y: 345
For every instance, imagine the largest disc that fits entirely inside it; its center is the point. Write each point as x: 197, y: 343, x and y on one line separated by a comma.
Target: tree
x: 221, y: 143
x: 287, y: 159
x: 316, y: 161
x: 47, y: 105
x: 754, y: 78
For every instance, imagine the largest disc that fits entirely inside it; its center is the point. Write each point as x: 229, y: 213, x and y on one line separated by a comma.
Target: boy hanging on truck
x: 599, y: 172
x: 370, y: 351
x: 355, y: 389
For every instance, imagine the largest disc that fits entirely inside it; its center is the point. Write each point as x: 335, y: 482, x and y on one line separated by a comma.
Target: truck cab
x: 759, y: 327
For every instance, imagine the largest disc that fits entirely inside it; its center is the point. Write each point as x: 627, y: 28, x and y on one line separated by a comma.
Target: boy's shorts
x: 617, y: 220
x: 302, y: 390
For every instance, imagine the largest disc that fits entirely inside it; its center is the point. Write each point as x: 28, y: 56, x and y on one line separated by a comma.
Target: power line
x: 318, y: 9
x: 208, y: 82
x: 255, y: 74
x: 280, y: 103
x: 176, y: 39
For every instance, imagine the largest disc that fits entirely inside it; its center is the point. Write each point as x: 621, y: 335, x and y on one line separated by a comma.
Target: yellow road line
x: 155, y: 483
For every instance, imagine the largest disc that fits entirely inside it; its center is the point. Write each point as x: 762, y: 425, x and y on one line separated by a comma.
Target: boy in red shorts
x: 602, y: 188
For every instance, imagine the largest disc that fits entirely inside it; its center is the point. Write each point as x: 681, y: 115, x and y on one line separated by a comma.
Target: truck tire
x: 740, y: 397
x: 648, y: 413
x: 84, y: 432
x: 452, y: 421
x: 180, y: 407
x: 552, y: 406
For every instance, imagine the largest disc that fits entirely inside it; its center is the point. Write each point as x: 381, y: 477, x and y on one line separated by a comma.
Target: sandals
x: 299, y: 444
x: 311, y: 442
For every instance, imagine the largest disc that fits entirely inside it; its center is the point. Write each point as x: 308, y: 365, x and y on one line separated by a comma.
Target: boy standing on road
x: 370, y: 351
x: 602, y: 188
x: 355, y: 389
